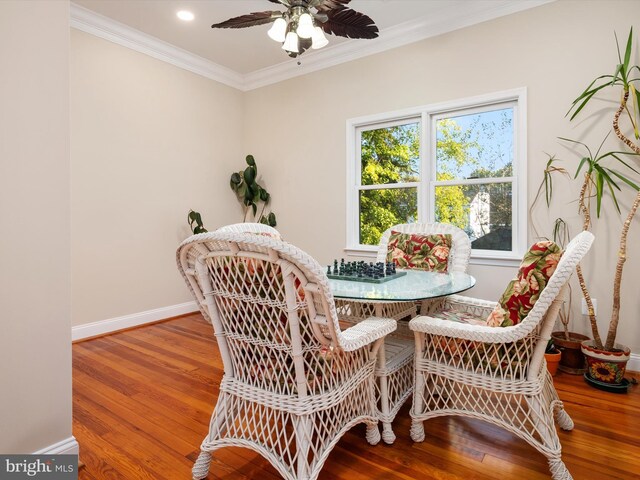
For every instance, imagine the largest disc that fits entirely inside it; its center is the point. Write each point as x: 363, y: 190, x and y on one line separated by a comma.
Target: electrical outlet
x: 585, y: 310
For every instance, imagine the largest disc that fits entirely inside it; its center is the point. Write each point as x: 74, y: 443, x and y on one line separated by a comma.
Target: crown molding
x: 409, y: 32
x: 91, y: 22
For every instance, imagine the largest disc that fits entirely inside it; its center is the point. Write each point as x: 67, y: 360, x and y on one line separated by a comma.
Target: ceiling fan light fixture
x: 305, y: 26
x: 291, y: 43
x: 303, y: 23
x: 318, y: 40
x: 278, y: 31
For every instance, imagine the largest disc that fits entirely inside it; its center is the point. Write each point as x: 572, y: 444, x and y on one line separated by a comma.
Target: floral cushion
x: 521, y: 294
x: 460, y: 317
x: 421, y: 252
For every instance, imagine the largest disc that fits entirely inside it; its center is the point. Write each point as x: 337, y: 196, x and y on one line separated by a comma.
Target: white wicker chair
x: 250, y: 227
x: 293, y: 382
x: 505, y: 381
x: 395, y: 366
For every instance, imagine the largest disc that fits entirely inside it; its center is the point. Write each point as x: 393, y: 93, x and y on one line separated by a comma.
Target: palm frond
x: 249, y: 20
x: 345, y: 22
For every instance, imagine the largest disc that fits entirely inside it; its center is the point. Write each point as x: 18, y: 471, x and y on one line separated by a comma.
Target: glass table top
x: 415, y: 285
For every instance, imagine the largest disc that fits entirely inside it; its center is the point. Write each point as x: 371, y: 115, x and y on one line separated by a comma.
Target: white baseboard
x: 127, y: 321
x: 633, y: 365
x: 68, y: 446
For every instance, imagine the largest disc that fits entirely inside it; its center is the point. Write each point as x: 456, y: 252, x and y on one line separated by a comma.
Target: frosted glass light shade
x: 291, y: 43
x: 318, y: 40
x: 278, y: 30
x: 305, y: 26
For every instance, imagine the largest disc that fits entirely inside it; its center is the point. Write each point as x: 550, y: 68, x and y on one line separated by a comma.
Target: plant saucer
x: 622, y: 387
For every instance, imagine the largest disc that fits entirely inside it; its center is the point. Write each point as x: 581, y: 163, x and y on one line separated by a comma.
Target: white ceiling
x: 249, y: 50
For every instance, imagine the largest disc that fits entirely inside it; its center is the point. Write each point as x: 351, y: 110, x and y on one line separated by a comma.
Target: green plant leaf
x: 615, y: 155
x: 627, y: 53
x: 618, y: 71
x: 577, y: 143
x: 585, y: 101
x: 251, y: 161
x: 635, y: 100
x: 611, y: 185
x: 625, y: 180
x: 581, y: 164
x: 548, y: 186
x: 195, y: 222
x: 264, y: 195
x: 599, y: 188
x: 249, y: 175
x: 254, y: 207
x: 272, y: 219
x: 587, y: 90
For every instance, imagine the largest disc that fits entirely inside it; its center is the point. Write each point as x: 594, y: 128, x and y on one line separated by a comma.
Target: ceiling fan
x: 299, y: 27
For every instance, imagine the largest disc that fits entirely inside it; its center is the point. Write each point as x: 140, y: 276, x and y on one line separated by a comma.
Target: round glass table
x: 415, y: 285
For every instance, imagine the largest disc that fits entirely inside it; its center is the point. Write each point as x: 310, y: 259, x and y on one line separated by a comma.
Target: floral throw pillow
x: 421, y: 252
x: 521, y: 294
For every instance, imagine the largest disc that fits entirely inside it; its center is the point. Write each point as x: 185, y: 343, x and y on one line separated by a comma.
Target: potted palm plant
x: 606, y: 360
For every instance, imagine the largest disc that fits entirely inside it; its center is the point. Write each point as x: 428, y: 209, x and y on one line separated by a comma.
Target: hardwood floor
x: 143, y: 398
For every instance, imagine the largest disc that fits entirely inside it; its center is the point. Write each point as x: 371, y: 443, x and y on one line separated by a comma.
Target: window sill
x: 370, y: 252
x: 497, y: 261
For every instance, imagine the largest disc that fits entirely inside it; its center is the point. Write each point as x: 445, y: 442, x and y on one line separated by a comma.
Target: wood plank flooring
x: 143, y: 398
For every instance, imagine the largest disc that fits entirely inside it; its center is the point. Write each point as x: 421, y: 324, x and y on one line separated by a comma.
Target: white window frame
x: 427, y: 116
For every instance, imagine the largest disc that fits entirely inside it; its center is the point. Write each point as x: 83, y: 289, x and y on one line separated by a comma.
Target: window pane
x: 391, y: 154
x: 478, y: 145
x: 381, y: 209
x: 483, y: 211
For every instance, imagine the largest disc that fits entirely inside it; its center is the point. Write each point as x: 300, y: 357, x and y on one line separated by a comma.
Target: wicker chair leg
x: 373, y: 434
x: 417, y: 430
x: 387, y: 433
x: 303, y: 429
x: 562, y: 417
x: 559, y: 470
x: 200, y: 469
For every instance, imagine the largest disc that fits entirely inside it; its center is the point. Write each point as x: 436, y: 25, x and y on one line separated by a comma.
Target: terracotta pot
x: 553, y: 361
x: 572, y: 360
x: 604, y: 366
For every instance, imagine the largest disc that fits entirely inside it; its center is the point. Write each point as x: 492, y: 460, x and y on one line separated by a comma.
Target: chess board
x: 367, y: 279
x: 379, y: 272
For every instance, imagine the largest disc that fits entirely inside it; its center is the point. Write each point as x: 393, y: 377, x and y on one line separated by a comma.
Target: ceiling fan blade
x: 326, y: 5
x: 249, y: 20
x: 345, y: 22
x: 281, y: 2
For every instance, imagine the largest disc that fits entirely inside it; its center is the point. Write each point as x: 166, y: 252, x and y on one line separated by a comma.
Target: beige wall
x: 35, y: 290
x: 553, y: 50
x: 149, y: 141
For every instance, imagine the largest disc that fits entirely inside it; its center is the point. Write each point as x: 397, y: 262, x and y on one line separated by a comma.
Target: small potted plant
x: 552, y: 356
x: 244, y: 183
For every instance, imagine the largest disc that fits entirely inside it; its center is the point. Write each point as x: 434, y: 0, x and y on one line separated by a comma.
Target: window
x: 461, y: 163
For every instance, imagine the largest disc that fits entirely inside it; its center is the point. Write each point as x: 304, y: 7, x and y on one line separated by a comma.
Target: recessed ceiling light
x: 185, y: 15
